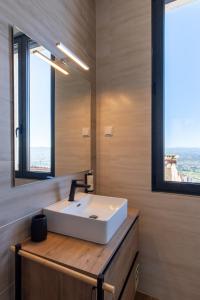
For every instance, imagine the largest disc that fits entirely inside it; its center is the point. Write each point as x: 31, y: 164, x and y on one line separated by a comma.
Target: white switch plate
x: 86, y: 132
x: 108, y: 131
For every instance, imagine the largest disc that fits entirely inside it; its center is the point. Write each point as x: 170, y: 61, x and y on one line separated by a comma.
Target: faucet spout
x: 76, y: 184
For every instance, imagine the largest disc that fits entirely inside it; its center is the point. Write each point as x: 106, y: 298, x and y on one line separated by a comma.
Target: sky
x: 182, y: 76
x: 40, y: 102
x: 39, y: 107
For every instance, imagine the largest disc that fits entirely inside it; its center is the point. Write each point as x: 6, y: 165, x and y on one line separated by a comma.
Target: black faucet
x: 75, y: 185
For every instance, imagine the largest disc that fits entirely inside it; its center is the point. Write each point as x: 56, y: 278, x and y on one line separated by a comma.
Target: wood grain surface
x: 84, y: 256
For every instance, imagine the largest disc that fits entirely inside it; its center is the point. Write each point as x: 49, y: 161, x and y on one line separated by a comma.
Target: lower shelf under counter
x: 116, y: 262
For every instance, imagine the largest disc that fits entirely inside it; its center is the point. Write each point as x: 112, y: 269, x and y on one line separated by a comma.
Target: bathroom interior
x: 99, y: 171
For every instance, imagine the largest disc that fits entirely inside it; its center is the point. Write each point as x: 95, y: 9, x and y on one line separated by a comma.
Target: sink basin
x: 90, y: 217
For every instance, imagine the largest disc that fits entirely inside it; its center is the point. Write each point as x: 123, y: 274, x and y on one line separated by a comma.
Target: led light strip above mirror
x: 49, y: 61
x: 70, y: 54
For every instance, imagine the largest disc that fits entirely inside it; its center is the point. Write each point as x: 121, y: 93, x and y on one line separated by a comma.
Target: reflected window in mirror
x: 52, y: 114
x: 34, y: 93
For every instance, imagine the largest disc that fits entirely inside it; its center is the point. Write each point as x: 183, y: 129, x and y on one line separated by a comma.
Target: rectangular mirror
x: 52, y: 114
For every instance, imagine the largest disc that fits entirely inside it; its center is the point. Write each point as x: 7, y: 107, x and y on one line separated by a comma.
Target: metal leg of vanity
x: 18, y: 270
x: 100, y: 291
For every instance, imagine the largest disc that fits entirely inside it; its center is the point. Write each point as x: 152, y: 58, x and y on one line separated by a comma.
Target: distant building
x: 171, y: 172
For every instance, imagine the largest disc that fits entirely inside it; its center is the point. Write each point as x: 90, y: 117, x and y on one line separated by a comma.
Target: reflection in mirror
x: 72, y: 122
x: 34, y: 85
x: 51, y: 114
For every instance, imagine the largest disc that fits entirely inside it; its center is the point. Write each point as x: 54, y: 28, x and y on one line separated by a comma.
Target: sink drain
x: 93, y: 217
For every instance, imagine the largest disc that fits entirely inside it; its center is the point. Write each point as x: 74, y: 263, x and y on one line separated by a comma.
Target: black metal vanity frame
x: 100, y: 278
x: 18, y: 271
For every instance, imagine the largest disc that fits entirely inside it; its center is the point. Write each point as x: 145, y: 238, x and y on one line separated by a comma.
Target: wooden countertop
x: 84, y: 256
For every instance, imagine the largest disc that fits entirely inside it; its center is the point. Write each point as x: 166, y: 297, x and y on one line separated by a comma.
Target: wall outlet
x: 108, y: 131
x: 86, y: 132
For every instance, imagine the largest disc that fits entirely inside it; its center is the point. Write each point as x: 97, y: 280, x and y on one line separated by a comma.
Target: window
x: 176, y: 96
x: 34, y: 84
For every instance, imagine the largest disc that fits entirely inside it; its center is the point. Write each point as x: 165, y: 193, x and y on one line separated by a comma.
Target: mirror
x: 52, y: 114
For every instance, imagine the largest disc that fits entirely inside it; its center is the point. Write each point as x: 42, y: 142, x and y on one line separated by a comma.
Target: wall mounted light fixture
x: 49, y: 61
x: 70, y: 54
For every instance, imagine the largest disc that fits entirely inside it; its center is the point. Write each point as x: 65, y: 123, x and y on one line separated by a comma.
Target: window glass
x: 16, y: 107
x: 182, y: 92
x: 39, y: 133
x: 33, y: 104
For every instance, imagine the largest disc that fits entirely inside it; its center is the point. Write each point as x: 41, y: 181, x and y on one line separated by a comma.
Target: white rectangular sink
x: 90, y: 217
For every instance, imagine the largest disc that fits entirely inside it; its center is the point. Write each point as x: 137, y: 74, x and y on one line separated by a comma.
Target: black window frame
x: 24, y: 43
x: 158, y: 182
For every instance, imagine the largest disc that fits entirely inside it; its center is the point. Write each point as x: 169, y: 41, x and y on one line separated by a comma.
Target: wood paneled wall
x: 169, y: 226
x: 73, y: 23
x: 72, y: 114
